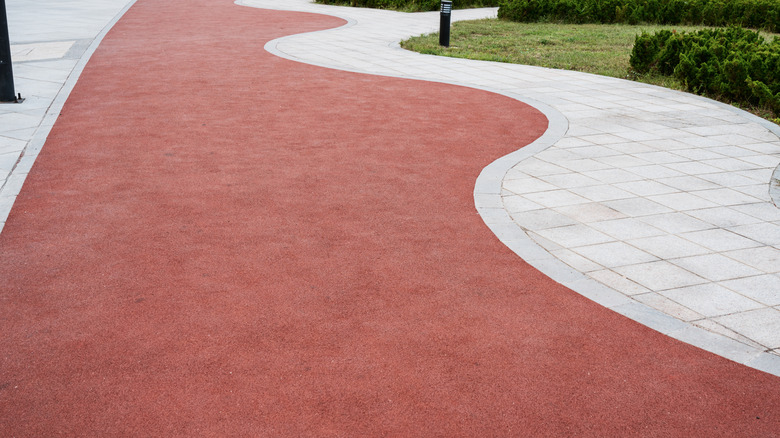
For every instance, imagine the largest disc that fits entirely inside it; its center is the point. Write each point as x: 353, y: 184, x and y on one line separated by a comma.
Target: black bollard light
x: 6, y: 70
x: 444, y: 23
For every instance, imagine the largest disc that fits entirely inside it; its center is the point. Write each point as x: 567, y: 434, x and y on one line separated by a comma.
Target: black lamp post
x: 444, y: 23
x: 6, y: 70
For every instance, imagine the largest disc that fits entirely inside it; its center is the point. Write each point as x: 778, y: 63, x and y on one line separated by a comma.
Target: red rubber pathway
x: 218, y: 242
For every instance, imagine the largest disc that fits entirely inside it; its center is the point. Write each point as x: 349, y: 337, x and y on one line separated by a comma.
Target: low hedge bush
x: 756, y: 14
x: 733, y: 64
x: 411, y: 5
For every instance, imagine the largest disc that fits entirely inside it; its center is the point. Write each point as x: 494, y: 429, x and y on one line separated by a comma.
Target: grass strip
x: 602, y: 49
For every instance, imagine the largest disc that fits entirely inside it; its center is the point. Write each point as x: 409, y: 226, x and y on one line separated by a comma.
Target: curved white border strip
x: 14, y: 182
x: 487, y: 198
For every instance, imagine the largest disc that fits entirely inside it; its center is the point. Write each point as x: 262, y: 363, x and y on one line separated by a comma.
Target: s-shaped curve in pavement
x: 286, y: 262
x: 652, y: 202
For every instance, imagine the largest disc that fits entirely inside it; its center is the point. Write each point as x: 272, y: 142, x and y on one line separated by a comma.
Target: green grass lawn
x: 603, y: 49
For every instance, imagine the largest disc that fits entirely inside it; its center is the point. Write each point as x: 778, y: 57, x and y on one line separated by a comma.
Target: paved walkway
x: 659, y: 195
x: 293, y: 250
x: 51, y: 40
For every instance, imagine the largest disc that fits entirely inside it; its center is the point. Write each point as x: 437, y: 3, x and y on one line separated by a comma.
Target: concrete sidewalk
x: 652, y: 202
x: 51, y: 42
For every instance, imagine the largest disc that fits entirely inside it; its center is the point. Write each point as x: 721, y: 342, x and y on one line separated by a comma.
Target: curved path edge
x: 487, y: 196
x: 11, y: 187
x: 489, y: 204
x: 488, y: 200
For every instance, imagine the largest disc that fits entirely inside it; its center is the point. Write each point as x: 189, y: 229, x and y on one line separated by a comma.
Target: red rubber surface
x: 218, y: 242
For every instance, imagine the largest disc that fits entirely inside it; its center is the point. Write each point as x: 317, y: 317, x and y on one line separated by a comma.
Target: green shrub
x: 411, y: 5
x: 757, y: 14
x: 734, y: 64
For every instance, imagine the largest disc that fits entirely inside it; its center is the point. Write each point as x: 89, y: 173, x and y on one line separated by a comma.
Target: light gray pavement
x: 51, y: 41
x: 652, y: 202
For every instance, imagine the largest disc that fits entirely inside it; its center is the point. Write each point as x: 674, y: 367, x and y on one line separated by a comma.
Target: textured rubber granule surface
x: 218, y: 242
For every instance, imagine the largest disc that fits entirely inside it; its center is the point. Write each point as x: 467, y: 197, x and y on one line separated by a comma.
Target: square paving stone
x: 574, y: 235
x: 762, y: 210
x: 682, y: 201
x: 656, y: 171
x: 646, y: 187
x: 541, y: 219
x: 591, y: 212
x: 569, y: 180
x: 761, y: 325
x: 668, y: 246
x: 556, y: 198
x: 583, y: 164
x: 626, y: 228
x: 516, y: 204
x: 660, y: 275
x: 527, y: 185
x: 765, y: 258
x: 687, y: 183
x: 762, y: 288
x: 693, y: 168
x: 536, y: 167
x: 636, y: 207
x: 600, y: 193
x: 716, y: 267
x: 576, y: 261
x: 720, y: 240
x: 612, y: 176
x: 765, y: 232
x: 711, y: 299
x: 675, y: 223
x: 727, y: 179
x: 723, y: 217
x: 667, y: 306
x: 726, y: 196
x: 613, y: 254
x: 617, y: 282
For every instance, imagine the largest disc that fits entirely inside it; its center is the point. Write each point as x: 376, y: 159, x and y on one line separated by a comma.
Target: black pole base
x: 17, y: 99
x: 6, y: 70
x: 444, y: 30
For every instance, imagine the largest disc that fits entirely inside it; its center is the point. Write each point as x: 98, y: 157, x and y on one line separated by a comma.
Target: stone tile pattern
x: 672, y: 211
